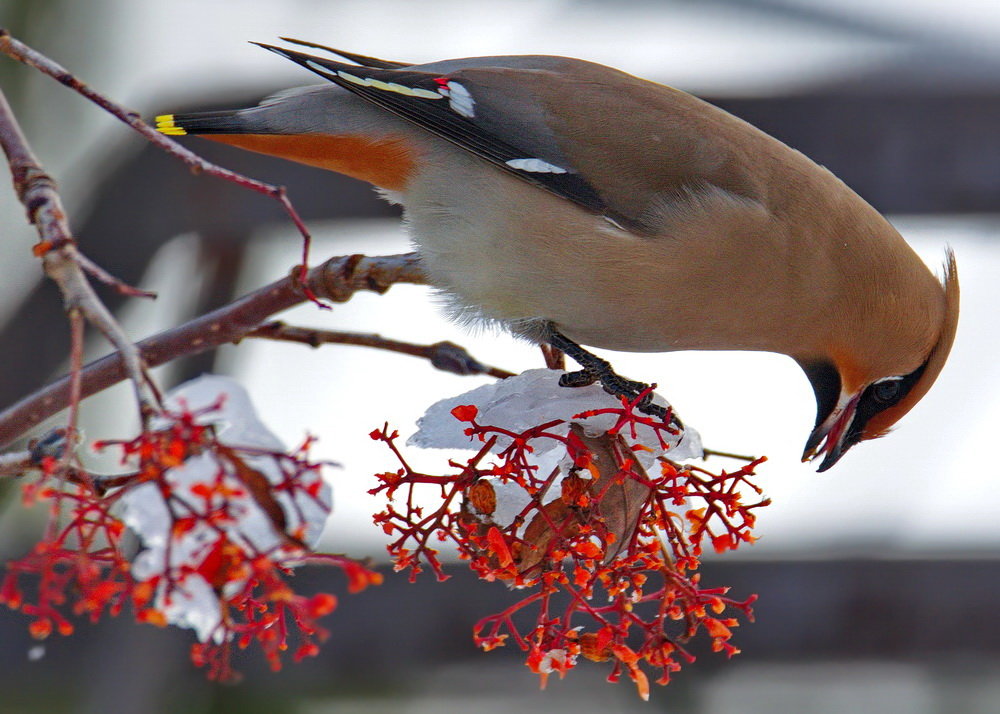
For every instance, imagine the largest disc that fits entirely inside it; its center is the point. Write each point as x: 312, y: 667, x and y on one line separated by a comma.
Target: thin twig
x: 55, y: 444
x: 16, y: 463
x: 107, y: 278
x: 554, y: 357
x: 22, y: 53
x: 446, y: 356
x: 77, y: 326
x: 57, y: 248
x: 726, y: 455
x: 336, y: 280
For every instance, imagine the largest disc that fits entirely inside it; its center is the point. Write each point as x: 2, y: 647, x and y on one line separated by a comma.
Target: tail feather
x: 363, y: 60
x: 232, y: 121
x: 221, y: 122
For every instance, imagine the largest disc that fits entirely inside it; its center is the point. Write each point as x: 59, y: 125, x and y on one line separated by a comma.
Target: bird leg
x: 596, y: 369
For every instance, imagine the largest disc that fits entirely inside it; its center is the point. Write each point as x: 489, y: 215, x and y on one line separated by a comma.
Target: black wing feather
x: 436, y: 116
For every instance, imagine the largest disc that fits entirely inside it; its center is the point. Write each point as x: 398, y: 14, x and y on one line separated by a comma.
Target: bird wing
x: 609, y: 142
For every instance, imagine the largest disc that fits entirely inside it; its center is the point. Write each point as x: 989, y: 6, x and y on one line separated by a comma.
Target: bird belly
x: 505, y: 252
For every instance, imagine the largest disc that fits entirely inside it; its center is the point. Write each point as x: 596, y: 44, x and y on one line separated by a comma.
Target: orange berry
x: 483, y: 497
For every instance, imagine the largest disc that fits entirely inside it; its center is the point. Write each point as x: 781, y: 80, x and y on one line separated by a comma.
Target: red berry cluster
x: 222, y: 527
x: 605, y: 550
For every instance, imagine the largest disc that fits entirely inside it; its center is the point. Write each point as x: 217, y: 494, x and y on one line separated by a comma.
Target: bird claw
x: 616, y: 385
x: 596, y: 369
x: 619, y: 386
x: 581, y: 378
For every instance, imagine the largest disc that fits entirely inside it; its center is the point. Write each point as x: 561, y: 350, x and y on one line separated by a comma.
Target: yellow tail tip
x: 165, y: 125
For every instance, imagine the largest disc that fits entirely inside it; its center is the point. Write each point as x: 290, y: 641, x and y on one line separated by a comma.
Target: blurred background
x: 877, y: 580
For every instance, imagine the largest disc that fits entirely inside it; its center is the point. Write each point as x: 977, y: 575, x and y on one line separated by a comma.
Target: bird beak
x: 829, y: 437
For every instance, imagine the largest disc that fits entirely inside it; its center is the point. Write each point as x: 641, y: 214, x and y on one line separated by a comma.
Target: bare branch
x: 706, y: 453
x: 16, y: 463
x: 336, y: 280
x: 22, y: 53
x: 57, y: 248
x: 554, y: 357
x: 105, y: 277
x: 446, y: 356
x: 56, y: 444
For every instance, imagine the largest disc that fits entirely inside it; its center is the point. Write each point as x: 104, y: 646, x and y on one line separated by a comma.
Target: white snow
x: 529, y: 400
x: 535, y: 397
x: 192, y: 602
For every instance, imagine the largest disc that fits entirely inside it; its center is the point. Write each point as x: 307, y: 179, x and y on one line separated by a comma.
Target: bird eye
x: 888, y: 390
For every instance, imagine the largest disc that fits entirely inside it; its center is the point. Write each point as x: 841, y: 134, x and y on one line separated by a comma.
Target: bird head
x: 857, y: 400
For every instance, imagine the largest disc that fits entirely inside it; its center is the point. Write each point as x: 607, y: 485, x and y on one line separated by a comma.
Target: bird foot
x: 581, y: 378
x: 596, y: 370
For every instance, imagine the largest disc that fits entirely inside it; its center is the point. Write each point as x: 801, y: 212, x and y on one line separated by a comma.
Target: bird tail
x: 223, y: 122
x: 235, y: 122
x: 363, y: 60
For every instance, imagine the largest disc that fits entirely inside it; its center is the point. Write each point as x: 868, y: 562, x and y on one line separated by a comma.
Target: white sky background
x: 928, y: 487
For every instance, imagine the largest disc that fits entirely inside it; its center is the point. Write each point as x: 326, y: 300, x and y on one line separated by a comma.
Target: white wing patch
x: 459, y: 99
x: 614, y: 223
x: 536, y: 166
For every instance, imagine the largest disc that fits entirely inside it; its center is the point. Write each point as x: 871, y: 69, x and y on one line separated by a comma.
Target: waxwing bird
x: 575, y: 204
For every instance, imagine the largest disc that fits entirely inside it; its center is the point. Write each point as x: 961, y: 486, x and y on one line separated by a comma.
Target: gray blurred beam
x: 941, y: 41
x: 925, y: 613
x: 903, y: 152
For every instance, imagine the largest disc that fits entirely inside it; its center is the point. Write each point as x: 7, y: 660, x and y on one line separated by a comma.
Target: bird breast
x: 716, y: 275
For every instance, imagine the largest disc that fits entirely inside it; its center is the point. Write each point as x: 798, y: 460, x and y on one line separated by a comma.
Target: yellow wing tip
x: 165, y: 125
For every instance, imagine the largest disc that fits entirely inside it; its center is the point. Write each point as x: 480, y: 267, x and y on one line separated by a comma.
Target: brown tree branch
x: 15, y: 463
x: 60, y: 259
x: 56, y: 444
x: 706, y: 453
x: 446, y: 356
x: 22, y: 53
x: 554, y: 357
x: 336, y: 280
